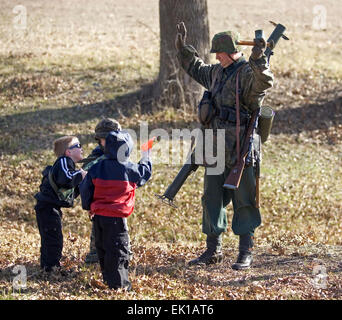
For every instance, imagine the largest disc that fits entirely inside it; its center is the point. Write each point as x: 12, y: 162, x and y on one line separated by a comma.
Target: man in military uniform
x: 255, y: 78
x: 101, y: 131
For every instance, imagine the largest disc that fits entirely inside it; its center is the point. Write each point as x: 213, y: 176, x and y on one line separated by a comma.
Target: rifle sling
x: 214, y: 90
x: 237, y: 106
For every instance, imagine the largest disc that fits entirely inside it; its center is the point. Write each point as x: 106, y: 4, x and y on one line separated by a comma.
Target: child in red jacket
x: 108, y: 191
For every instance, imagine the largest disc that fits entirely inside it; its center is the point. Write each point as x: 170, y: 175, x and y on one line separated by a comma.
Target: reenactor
x: 255, y: 78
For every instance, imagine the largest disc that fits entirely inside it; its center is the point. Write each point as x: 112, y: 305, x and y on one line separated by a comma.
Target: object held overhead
x: 275, y: 36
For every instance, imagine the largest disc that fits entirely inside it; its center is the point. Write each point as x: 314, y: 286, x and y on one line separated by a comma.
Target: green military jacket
x: 255, y: 78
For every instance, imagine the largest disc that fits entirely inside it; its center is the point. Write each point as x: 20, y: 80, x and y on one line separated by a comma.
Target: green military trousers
x: 246, y: 216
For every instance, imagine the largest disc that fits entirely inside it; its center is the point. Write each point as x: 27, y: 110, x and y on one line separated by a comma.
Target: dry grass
x: 78, y: 60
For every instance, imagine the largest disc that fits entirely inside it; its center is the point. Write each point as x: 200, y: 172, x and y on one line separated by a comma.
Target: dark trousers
x: 246, y: 217
x: 49, y: 220
x: 112, y: 246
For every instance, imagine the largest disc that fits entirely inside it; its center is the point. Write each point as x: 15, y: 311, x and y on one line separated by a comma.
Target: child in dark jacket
x: 108, y: 191
x: 63, y: 177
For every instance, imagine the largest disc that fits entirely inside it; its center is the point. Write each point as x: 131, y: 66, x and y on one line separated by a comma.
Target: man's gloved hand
x: 259, y: 48
x: 181, y: 36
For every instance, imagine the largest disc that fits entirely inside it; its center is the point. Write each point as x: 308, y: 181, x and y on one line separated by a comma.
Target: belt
x: 229, y: 114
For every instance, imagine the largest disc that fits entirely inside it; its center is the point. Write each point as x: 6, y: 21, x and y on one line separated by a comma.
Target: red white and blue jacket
x: 109, y: 186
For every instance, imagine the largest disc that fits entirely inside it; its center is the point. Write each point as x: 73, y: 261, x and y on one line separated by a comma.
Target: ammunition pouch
x: 205, y: 110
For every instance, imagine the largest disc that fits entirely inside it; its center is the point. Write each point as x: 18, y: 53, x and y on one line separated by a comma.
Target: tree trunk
x: 173, y: 86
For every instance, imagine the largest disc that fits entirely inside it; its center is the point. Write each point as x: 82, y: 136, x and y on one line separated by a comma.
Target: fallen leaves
x: 98, y: 284
x: 158, y: 272
x: 301, y: 202
x: 72, y: 238
x: 22, y: 86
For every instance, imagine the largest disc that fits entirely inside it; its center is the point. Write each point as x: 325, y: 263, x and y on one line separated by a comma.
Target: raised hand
x: 259, y: 48
x: 181, y: 36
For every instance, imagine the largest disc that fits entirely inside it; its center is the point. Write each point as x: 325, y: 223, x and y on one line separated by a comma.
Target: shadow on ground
x: 33, y: 130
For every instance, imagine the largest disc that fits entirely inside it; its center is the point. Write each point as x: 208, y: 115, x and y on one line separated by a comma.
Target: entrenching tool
x: 273, y: 39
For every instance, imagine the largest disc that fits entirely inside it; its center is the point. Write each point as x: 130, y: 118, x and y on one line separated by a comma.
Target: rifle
x: 183, y: 174
x: 234, y: 177
x: 257, y: 185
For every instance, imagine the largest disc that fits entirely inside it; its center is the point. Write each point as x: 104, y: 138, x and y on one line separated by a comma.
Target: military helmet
x: 105, y: 126
x: 225, y: 42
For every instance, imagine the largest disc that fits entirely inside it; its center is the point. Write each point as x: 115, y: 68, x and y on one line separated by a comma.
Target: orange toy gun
x: 148, y: 145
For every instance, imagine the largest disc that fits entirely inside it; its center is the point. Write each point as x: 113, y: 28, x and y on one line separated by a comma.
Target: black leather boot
x: 243, y: 261
x: 208, y: 257
x: 212, y: 255
x: 245, y: 257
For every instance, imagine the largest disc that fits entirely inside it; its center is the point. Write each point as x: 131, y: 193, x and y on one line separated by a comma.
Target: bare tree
x: 173, y: 86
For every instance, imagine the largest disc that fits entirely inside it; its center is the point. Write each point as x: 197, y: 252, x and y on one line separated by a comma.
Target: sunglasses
x: 78, y: 146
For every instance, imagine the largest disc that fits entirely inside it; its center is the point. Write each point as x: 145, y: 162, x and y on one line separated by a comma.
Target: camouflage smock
x: 255, y: 78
